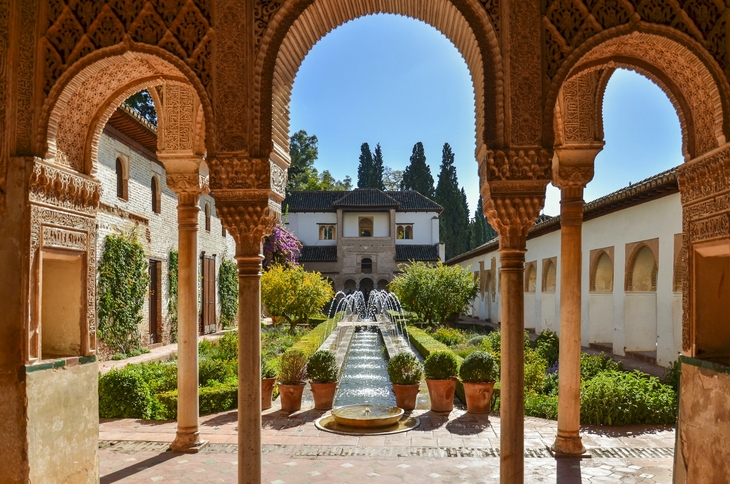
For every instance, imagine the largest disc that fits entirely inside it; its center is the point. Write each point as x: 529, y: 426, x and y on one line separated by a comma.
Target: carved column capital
x: 515, y: 164
x: 247, y: 220
x: 244, y: 173
x: 188, y: 186
x: 512, y: 208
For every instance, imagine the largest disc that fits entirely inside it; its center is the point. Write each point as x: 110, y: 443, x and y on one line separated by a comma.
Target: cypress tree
x: 376, y: 171
x: 365, y: 167
x: 454, y: 220
x: 417, y: 175
x: 482, y: 232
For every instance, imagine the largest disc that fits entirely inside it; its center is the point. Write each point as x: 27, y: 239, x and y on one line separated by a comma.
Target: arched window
x: 366, y: 285
x: 122, y: 185
x: 409, y: 231
x: 207, y: 217
x: 327, y: 232
x: 155, y: 188
x: 366, y: 265
x: 350, y: 286
x: 365, y: 226
x: 405, y: 231
x: 382, y: 285
x: 602, y: 274
x: 549, y: 276
x: 642, y: 270
x: 531, y: 278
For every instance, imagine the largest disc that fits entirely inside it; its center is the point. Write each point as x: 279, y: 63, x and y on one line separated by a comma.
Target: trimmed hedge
x: 125, y: 394
x: 310, y: 342
x: 426, y: 345
x: 218, y: 398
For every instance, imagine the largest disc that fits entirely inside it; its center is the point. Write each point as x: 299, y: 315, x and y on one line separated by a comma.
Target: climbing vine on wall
x: 172, y: 294
x: 228, y: 292
x: 123, y: 284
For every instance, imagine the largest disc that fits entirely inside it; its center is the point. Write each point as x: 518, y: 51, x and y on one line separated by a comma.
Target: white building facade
x: 631, y: 273
x: 358, y: 238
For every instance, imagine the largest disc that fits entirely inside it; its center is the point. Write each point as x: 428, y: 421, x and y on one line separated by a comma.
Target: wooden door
x: 208, y: 322
x: 154, y: 304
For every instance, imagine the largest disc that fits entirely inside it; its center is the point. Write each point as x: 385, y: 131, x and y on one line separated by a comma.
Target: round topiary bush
x: 479, y: 367
x: 125, y: 394
x: 405, y: 369
x: 322, y: 367
x: 441, y: 365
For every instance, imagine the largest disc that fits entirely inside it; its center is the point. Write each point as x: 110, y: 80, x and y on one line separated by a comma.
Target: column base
x: 188, y: 443
x: 568, y: 447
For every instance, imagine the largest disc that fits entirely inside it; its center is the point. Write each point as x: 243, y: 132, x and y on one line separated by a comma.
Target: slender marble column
x: 568, y: 440
x: 512, y: 406
x: 188, y: 190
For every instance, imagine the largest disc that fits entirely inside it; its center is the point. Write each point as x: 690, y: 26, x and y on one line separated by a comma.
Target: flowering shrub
x: 281, y: 248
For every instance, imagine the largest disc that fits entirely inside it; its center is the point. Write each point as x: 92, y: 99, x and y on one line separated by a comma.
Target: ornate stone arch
x: 681, y: 67
x: 81, y: 102
x: 297, y: 25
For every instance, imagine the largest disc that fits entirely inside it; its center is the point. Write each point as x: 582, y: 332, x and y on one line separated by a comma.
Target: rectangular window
x: 365, y: 226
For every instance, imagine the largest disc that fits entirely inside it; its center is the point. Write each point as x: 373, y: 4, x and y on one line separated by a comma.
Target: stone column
x: 572, y: 170
x: 188, y: 187
x: 512, y: 204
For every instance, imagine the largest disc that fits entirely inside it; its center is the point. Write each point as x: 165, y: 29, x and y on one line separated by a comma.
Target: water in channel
x: 365, y: 377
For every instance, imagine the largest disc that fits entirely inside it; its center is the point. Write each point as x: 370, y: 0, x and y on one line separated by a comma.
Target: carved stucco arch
x: 629, y: 285
x: 299, y: 24
x: 684, y: 71
x: 593, y: 273
x: 85, y: 97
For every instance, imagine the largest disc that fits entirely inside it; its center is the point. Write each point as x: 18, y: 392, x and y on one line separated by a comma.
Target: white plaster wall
x: 381, y: 223
x: 157, y: 232
x: 549, y: 320
x: 422, y: 227
x: 530, y: 310
x: 600, y: 317
x: 661, y: 219
x: 640, y: 321
x: 306, y: 226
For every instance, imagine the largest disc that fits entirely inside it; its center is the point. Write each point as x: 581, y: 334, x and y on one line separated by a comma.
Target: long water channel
x: 365, y: 377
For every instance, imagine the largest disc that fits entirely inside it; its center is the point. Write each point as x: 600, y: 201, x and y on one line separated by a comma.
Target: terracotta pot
x: 291, y: 396
x: 405, y: 396
x: 441, y: 393
x: 478, y: 396
x: 267, y: 392
x: 324, y: 394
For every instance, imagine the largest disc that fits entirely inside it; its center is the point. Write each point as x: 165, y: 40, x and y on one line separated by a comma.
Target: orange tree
x: 294, y: 294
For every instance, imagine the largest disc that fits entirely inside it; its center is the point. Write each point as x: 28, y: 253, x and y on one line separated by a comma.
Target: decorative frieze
x: 64, y: 239
x: 53, y: 186
x: 516, y: 164
x: 237, y: 172
x: 709, y: 228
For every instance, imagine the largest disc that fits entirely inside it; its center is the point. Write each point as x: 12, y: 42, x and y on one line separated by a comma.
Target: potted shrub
x: 405, y: 372
x: 441, y: 368
x: 291, y: 376
x: 323, y: 372
x: 478, y: 373
x: 268, y: 379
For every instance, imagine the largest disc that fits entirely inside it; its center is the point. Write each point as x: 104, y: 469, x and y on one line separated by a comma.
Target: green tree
x: 434, y: 292
x: 294, y: 294
x: 123, y: 283
x: 481, y: 231
x: 365, y: 166
x: 392, y: 179
x: 303, y: 151
x: 376, y: 171
x: 417, y: 175
x: 454, y: 220
x: 142, y: 103
x: 228, y: 292
x: 326, y: 182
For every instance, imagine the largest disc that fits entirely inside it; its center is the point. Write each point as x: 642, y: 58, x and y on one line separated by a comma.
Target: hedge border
x: 426, y: 344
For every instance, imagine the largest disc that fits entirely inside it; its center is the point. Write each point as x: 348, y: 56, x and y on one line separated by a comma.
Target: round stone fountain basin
x: 368, y: 416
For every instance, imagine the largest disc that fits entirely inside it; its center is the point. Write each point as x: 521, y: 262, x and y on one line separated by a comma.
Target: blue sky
x: 396, y: 81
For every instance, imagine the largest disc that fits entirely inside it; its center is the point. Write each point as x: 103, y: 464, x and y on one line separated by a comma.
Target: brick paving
x: 453, y: 448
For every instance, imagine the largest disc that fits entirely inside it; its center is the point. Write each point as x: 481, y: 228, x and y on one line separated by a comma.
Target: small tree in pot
x: 478, y: 373
x: 441, y: 368
x: 268, y: 379
x: 292, y: 373
x: 405, y: 372
x: 323, y: 372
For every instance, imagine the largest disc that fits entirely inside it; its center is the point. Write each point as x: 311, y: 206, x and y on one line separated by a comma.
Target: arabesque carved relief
x: 248, y: 223
x: 239, y: 172
x: 516, y: 164
x: 512, y: 216
x: 52, y: 186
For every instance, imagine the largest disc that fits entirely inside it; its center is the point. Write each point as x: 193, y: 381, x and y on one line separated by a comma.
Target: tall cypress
x: 417, y: 175
x: 454, y: 220
x: 365, y: 167
x: 482, y: 232
x: 376, y: 170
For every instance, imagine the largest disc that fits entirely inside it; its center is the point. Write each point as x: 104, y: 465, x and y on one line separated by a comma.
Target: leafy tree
x: 434, y: 292
x: 376, y: 171
x: 326, y: 181
x: 303, y: 151
x: 365, y: 166
x: 392, y: 179
x: 454, y: 220
x: 123, y: 283
x: 142, y: 103
x: 294, y: 294
x: 281, y: 248
x: 228, y: 292
x: 417, y: 175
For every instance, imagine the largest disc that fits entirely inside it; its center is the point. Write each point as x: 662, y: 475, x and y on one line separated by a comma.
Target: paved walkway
x: 453, y: 448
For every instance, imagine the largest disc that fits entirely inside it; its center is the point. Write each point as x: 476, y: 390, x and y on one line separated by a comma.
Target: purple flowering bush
x: 281, y: 248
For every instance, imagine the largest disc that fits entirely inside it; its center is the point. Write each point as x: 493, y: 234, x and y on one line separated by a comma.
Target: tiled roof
x: 416, y: 252
x: 127, y: 121
x: 318, y: 253
x: 330, y: 201
x: 366, y: 197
